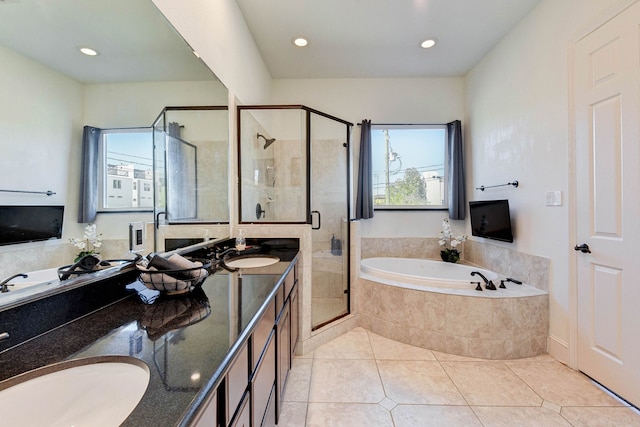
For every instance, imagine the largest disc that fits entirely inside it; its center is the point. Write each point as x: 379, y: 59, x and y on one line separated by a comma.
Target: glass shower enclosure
x: 293, y: 163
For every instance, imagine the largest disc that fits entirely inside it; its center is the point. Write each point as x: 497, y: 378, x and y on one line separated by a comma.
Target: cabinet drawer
x: 261, y: 333
x: 289, y: 281
x: 237, y: 380
x: 243, y: 417
x: 263, y: 381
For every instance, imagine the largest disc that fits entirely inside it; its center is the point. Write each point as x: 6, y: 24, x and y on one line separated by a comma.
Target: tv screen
x: 491, y: 219
x: 21, y: 224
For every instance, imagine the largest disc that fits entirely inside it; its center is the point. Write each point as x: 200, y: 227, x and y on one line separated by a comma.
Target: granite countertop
x: 187, y: 341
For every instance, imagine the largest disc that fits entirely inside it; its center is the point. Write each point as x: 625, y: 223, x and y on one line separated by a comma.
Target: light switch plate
x: 136, y: 236
x: 553, y: 198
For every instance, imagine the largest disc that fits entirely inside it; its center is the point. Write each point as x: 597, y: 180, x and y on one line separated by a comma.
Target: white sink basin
x: 96, y: 391
x: 252, y: 261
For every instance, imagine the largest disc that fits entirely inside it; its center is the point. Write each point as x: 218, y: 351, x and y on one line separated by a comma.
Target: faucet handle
x: 502, y: 286
x: 478, y: 287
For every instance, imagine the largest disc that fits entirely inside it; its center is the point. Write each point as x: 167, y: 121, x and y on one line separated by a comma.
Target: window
x: 126, y: 161
x: 409, y: 166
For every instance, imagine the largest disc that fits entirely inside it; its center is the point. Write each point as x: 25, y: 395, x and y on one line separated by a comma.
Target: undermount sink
x: 95, y: 391
x: 252, y: 261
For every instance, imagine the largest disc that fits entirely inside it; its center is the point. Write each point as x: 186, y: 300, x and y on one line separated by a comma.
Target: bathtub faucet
x: 487, y: 283
x: 4, y: 286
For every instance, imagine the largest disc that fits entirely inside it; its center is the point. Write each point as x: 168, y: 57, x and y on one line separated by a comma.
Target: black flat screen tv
x: 491, y: 219
x: 22, y: 224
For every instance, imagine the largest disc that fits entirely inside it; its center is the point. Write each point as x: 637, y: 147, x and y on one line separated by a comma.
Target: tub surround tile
x: 492, y: 328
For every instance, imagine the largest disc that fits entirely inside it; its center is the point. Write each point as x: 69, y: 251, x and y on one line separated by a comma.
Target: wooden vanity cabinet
x: 251, y: 395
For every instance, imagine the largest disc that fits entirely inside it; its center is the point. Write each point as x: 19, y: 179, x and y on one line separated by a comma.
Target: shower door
x: 329, y: 199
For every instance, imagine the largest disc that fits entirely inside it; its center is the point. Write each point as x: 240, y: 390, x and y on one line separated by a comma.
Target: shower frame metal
x: 309, y: 213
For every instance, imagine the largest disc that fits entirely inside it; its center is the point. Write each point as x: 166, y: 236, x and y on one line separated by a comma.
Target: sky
x: 422, y: 149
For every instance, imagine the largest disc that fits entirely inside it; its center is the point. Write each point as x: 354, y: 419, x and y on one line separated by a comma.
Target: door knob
x: 584, y: 248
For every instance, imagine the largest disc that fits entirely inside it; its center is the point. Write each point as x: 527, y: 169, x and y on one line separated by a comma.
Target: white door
x: 607, y: 109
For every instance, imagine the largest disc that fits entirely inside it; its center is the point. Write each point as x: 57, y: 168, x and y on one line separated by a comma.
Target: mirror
x: 50, y: 91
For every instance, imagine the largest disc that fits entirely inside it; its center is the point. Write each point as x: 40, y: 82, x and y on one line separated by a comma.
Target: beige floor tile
x: 384, y: 348
x: 418, y: 382
x: 539, y: 358
x: 560, y: 384
x: 494, y: 416
x: 446, y: 357
x: 601, y: 417
x: 299, y: 381
x: 434, y: 416
x: 340, y: 380
x: 490, y: 383
x: 293, y: 414
x: 348, y: 415
x: 354, y: 344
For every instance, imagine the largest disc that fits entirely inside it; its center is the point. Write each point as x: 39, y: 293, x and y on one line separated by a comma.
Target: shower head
x: 267, y: 142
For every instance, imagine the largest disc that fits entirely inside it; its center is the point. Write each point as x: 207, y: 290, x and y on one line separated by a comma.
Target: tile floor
x: 363, y: 379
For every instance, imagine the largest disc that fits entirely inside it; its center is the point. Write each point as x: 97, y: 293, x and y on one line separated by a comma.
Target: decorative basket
x: 174, y: 282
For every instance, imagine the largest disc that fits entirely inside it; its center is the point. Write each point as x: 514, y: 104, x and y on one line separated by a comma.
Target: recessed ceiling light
x: 430, y: 42
x: 300, y: 41
x: 88, y: 51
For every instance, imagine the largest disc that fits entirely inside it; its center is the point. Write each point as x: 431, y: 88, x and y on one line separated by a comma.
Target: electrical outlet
x: 553, y: 198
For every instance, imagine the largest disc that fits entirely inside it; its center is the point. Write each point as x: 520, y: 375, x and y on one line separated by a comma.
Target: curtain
x: 364, y: 198
x: 456, y: 191
x: 88, y: 206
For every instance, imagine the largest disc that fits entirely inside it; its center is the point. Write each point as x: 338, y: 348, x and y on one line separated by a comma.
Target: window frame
x: 445, y: 205
x: 103, y: 181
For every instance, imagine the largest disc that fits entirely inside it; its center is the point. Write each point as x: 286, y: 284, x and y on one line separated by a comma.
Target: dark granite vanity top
x: 187, y: 341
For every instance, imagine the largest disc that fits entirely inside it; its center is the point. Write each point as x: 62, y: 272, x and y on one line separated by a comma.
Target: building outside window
x: 126, y: 162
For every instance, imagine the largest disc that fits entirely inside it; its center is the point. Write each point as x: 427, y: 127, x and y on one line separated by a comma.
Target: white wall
x: 134, y: 105
x: 41, y: 114
x: 411, y: 100
x: 217, y: 31
x: 518, y: 128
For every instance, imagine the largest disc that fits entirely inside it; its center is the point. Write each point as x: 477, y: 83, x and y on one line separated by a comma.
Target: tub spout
x: 4, y: 286
x: 487, y: 283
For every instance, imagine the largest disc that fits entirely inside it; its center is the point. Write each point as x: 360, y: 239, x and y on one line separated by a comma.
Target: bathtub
x: 47, y: 276
x: 425, y: 273
x: 432, y: 304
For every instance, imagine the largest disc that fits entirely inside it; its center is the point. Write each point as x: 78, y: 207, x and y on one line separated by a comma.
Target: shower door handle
x: 319, y: 220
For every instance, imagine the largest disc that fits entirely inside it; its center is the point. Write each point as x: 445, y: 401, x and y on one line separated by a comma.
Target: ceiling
x: 135, y: 41
x: 347, y: 38
x: 378, y: 38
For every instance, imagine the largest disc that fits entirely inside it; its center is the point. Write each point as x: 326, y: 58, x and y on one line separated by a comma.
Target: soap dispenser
x: 241, y: 242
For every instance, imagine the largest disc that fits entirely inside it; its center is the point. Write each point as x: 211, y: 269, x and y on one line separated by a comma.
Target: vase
x: 450, y: 255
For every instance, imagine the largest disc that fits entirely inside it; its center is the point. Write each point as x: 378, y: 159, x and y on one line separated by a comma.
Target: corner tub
x: 432, y: 304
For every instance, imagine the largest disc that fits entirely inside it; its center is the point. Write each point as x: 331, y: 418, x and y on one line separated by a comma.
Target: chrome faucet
x: 487, y: 283
x: 4, y: 286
